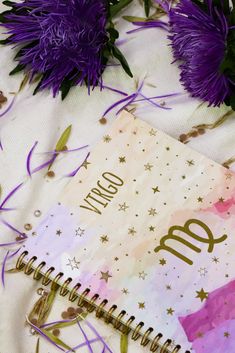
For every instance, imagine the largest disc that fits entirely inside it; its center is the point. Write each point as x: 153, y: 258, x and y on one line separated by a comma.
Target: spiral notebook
x: 144, y: 235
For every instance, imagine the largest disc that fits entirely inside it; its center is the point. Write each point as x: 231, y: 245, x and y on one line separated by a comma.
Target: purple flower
x: 199, y: 40
x: 61, y: 39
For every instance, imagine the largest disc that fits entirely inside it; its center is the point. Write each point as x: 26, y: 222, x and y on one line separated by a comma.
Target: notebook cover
x: 149, y: 225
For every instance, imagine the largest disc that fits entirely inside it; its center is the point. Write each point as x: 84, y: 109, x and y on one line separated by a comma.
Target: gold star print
x: 141, y: 305
x: 168, y: 148
x: 107, y: 139
x: 116, y: 258
x: 199, y: 334
x: 125, y: 291
x: 226, y: 334
x: 190, y: 162
x: 152, y: 211
x: 131, y: 231
x: 142, y: 275
x: 162, y: 261
x: 151, y: 229
x: 221, y: 199
x: 79, y: 232
x: 183, y: 176
x: 156, y: 189
x: 201, y: 294
x: 123, y: 207
x: 168, y: 287
x: 203, y: 271
x: 152, y: 132
x: 170, y: 311
x: 215, y: 259
x: 85, y: 164
x: 104, y: 239
x: 105, y: 276
x: 122, y: 159
x: 73, y: 263
x: 199, y: 199
x: 58, y: 232
x: 148, y: 166
x: 228, y: 176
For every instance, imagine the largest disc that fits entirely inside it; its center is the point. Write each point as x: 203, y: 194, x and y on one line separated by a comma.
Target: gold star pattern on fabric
x: 122, y: 159
x: 125, y: 291
x: 141, y: 305
x: 183, y: 176
x: 58, y: 232
x: 190, y: 162
x: 221, y: 199
x: 105, y: 276
x: 162, y: 262
x: 116, y: 258
x: 201, y: 294
x: 215, y: 259
x: 226, y: 334
x: 73, y: 263
x: 156, y: 189
x: 148, y: 167
x: 168, y: 148
x: 199, y: 199
x: 142, y: 275
x: 152, y: 211
x: 152, y: 132
x: 104, y: 239
x: 170, y: 311
x: 151, y: 229
x: 123, y: 207
x: 79, y: 232
x: 107, y: 139
x: 131, y: 231
x: 199, y: 334
x: 168, y: 287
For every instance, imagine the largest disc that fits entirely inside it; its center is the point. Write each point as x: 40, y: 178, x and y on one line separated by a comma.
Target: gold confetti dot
x: 28, y: 226
x: 56, y: 332
x: 103, y: 121
x: 50, y: 174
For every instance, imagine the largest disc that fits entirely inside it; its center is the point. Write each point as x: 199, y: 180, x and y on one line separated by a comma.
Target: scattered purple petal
x: 13, y: 228
x: 56, y: 322
x: 3, y: 268
x: 66, y: 151
x: 98, y: 335
x: 83, y: 344
x: 8, y: 108
x: 149, y: 24
x: 6, y: 209
x: 74, y: 172
x: 10, y: 195
x: 44, y: 165
x: 43, y: 334
x: 118, y: 103
x: 115, y: 90
x: 153, y: 103
x: 85, y: 336
x: 2, y: 245
x: 28, y: 160
x: 14, y: 253
x: 1, y: 146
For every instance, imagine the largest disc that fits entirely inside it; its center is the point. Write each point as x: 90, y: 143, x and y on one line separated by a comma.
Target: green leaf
x: 4, y: 41
x: 115, y: 9
x: 63, y: 139
x: 56, y: 340
x: 2, y: 16
x: 65, y: 88
x: 147, y: 4
x: 124, y: 343
x: 8, y: 3
x: 232, y: 102
x: 118, y: 54
x: 134, y: 19
x: 24, y: 82
x: 17, y: 69
x: 37, y: 346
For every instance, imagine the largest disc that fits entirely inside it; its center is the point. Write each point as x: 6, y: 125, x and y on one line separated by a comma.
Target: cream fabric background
x: 42, y: 118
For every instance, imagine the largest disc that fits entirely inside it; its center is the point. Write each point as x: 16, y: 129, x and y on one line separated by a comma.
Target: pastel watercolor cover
x: 148, y: 224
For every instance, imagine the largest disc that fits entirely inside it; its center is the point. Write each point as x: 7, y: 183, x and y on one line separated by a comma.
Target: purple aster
x: 61, y: 39
x: 199, y: 40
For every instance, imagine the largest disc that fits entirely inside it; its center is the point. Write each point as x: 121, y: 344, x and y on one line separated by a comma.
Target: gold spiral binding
x: 90, y: 304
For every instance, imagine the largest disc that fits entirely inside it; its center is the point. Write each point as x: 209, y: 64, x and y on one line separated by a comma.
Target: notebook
x: 144, y: 234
